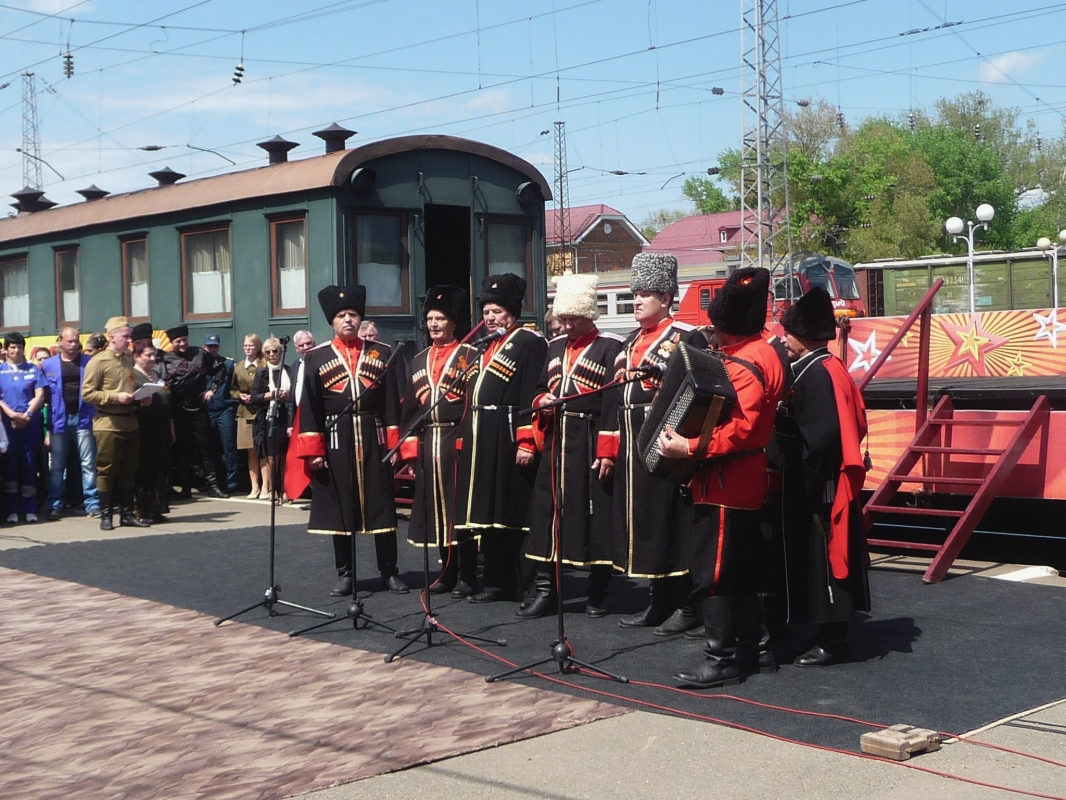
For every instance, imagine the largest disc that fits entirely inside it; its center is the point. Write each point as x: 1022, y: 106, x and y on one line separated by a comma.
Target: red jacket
x: 735, y: 474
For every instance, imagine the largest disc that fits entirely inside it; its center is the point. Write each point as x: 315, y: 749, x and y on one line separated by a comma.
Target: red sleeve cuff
x: 607, y: 445
x: 525, y: 438
x: 409, y: 448
x: 310, y: 445
x: 392, y: 436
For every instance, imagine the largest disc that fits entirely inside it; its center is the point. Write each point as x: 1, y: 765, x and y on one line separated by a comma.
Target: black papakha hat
x: 142, y: 330
x: 812, y: 317
x: 177, y: 332
x: 334, y: 299
x: 507, y: 290
x: 739, y: 307
x: 452, y: 301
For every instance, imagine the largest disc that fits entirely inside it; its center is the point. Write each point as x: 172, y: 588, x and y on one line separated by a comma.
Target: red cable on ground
x: 785, y: 739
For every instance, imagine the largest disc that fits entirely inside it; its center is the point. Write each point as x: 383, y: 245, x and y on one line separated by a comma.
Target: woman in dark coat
x: 156, y: 431
x: 270, y: 390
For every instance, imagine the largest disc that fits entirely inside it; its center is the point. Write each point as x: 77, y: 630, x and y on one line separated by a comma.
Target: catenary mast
x: 766, y: 240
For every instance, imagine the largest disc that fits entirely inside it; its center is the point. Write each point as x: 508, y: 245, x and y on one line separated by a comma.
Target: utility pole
x: 765, y: 239
x: 31, y: 134
x: 565, y: 257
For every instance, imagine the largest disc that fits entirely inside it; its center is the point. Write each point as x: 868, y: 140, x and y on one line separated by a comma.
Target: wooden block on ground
x: 899, y: 742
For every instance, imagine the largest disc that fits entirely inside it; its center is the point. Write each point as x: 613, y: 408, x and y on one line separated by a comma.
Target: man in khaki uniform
x: 109, y: 386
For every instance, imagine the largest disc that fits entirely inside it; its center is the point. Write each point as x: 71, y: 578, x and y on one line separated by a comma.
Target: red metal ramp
x: 934, y: 438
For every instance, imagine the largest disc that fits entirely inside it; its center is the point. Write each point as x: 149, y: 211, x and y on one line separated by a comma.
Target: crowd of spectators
x: 200, y: 417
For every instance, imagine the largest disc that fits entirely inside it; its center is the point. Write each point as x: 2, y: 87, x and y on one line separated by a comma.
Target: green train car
x: 1002, y: 281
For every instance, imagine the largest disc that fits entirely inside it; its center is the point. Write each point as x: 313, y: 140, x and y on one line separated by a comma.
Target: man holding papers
x: 109, y: 386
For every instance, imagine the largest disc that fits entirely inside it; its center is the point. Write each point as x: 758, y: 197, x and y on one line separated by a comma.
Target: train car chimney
x: 166, y: 176
x: 277, y: 149
x: 334, y: 136
x: 93, y: 192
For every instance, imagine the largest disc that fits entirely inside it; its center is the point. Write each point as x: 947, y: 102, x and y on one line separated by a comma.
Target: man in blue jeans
x: 70, y: 423
x: 222, y: 411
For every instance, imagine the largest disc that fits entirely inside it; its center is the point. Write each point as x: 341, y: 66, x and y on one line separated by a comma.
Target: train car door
x: 447, y: 247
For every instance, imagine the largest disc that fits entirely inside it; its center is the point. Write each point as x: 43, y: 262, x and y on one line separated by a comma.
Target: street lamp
x: 955, y: 226
x: 1044, y: 244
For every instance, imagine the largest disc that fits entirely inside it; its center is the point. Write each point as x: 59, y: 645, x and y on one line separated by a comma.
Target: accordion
x: 695, y: 395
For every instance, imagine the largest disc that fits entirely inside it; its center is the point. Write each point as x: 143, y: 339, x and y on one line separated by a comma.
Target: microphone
x: 284, y: 340
x: 499, y: 333
x: 651, y: 370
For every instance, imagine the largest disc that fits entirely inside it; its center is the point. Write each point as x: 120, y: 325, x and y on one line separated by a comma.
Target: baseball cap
x: 212, y: 339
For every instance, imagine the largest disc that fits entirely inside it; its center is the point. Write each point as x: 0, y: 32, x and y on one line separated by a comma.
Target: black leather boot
x: 777, y: 638
x: 753, y: 655
x: 830, y: 646
x: 599, y: 583
x: 658, y: 611
x: 546, y: 601
x: 127, y: 518
x: 684, y: 618
x: 718, y: 667
x: 106, y: 511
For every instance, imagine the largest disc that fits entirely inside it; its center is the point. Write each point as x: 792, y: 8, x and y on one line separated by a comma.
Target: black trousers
x: 502, y: 549
x: 384, y: 549
x: 460, y: 563
x: 195, y: 445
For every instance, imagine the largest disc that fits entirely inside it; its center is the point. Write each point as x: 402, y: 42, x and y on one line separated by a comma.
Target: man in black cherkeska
x: 193, y: 376
x: 572, y: 504
x: 497, y: 457
x: 439, y: 377
x: 345, y: 428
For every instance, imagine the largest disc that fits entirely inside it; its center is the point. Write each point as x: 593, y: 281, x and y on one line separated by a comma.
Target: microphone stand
x: 561, y: 652
x: 428, y: 626
x: 355, y: 610
x: 273, y: 590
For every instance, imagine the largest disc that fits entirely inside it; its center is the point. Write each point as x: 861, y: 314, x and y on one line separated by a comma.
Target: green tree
x: 707, y: 197
x: 657, y: 220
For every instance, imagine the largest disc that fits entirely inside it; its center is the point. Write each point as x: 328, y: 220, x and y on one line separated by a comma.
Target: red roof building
x: 603, y: 238
x: 700, y: 239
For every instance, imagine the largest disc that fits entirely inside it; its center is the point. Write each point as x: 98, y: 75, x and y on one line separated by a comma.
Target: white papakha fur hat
x: 575, y: 295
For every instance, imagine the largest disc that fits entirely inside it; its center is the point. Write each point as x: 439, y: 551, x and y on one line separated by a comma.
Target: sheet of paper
x: 147, y: 390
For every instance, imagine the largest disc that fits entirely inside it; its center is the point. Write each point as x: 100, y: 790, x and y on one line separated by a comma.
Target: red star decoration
x: 972, y: 344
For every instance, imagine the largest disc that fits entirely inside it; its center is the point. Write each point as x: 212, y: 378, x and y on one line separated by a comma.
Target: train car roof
x: 316, y: 172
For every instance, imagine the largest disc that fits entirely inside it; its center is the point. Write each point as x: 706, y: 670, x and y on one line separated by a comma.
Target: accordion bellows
x: 696, y: 394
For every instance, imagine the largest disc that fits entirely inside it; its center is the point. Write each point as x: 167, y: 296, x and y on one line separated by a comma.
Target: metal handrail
x: 924, y: 310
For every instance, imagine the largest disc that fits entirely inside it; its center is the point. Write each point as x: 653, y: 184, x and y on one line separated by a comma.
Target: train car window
x: 15, y: 294
x: 818, y: 275
x: 705, y: 298
x: 624, y: 301
x: 508, y: 248
x: 379, y: 262
x: 844, y: 278
x: 288, y: 267
x: 207, y: 269
x: 781, y: 289
x: 68, y: 286
x: 135, y: 278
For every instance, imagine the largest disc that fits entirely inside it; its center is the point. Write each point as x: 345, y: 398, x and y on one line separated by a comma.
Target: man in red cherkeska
x: 349, y: 417
x: 820, y: 426
x: 730, y: 487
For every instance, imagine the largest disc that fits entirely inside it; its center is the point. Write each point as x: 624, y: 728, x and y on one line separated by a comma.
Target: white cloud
x: 1013, y: 64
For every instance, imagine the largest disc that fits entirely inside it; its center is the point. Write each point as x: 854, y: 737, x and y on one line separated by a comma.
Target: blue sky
x: 632, y: 79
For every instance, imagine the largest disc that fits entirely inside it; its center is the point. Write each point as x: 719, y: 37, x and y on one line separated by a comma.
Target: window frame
x: 405, y: 257
x: 56, y: 253
x: 4, y: 261
x: 124, y: 242
x: 511, y: 219
x: 275, y: 269
x: 184, y: 234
